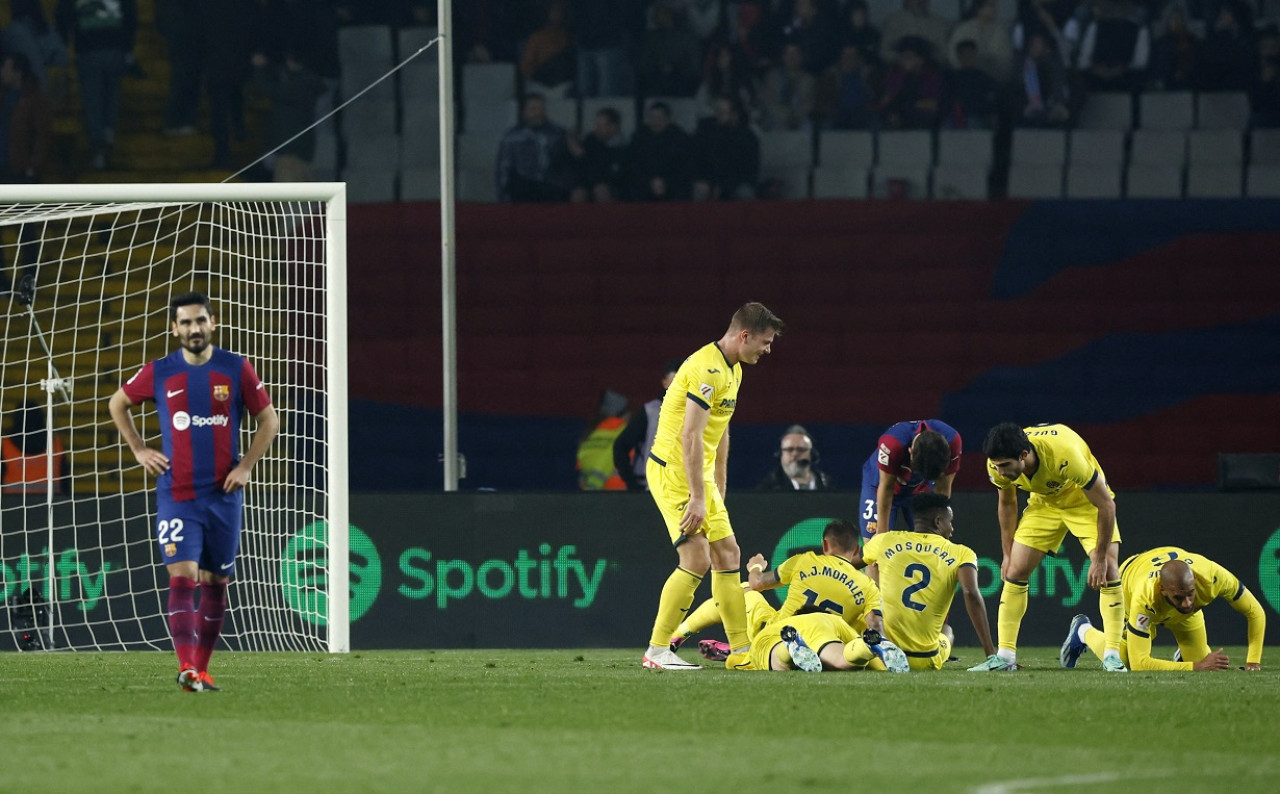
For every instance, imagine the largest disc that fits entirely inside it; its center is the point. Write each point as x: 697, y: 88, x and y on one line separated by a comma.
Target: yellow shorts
x: 1044, y: 528
x: 817, y: 630
x: 760, y: 613
x: 930, y: 660
x: 671, y: 493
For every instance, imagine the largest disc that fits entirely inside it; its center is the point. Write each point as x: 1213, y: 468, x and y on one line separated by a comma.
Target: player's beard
x: 195, y: 344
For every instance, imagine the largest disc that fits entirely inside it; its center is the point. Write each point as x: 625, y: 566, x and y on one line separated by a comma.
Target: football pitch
x: 577, y: 720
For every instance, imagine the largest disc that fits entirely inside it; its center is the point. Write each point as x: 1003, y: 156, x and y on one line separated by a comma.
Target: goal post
x: 88, y: 272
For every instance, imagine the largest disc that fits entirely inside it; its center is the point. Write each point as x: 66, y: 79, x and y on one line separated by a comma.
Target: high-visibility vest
x: 595, y: 458
x: 29, y: 473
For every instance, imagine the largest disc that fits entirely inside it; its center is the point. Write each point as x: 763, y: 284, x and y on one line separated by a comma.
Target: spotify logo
x: 302, y: 573
x: 1269, y: 570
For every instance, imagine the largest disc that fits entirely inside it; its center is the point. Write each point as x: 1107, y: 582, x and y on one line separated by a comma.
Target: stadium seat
x: 1039, y: 147
x: 365, y: 44
x: 565, y: 113
x: 369, y: 185
x: 846, y: 149
x: 476, y: 184
x: 831, y: 181
x: 786, y: 150
x: 793, y: 180
x: 1264, y: 146
x: 1263, y: 180
x: 477, y: 150
x: 1209, y: 147
x: 969, y: 148
x: 1091, y: 181
x: 364, y: 79
x: 1097, y: 148
x: 1215, y: 180
x: 1224, y: 110
x: 1144, y: 180
x: 486, y: 116
x: 420, y: 82
x: 877, y: 10
x: 911, y: 148
x: 1035, y: 180
x: 410, y: 40
x: 488, y: 82
x: 372, y: 152
x: 1166, y: 110
x: 367, y: 117
x: 950, y: 10
x: 960, y: 182
x: 324, y: 164
x: 1106, y: 112
x: 420, y: 184
x: 1159, y: 147
x: 625, y: 105
x: 684, y: 111
x: 900, y: 180
x: 420, y: 142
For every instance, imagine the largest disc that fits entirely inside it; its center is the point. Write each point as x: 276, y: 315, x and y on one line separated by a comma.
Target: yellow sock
x: 699, y: 620
x: 1096, y: 641
x: 1111, y: 604
x: 1013, y: 605
x: 676, y: 598
x: 726, y: 591
x: 858, y: 653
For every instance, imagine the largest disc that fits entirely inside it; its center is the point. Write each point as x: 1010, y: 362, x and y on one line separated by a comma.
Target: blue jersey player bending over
x: 201, y: 393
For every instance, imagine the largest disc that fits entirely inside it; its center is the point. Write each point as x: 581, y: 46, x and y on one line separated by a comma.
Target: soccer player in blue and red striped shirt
x: 201, y: 394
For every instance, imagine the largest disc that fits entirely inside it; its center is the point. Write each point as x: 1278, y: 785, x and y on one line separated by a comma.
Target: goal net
x: 88, y: 272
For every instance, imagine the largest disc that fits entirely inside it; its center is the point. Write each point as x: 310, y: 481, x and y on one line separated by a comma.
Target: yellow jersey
x: 1146, y: 607
x: 919, y: 572
x: 707, y: 379
x: 1066, y: 468
x: 827, y: 583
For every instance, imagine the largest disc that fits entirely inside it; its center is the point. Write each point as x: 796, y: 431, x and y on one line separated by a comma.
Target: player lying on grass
x: 826, y: 582
x: 1168, y: 587
x: 919, y: 572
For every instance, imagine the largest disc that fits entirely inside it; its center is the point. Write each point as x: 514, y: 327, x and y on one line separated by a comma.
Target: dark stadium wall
x: 575, y: 570
x: 1150, y: 326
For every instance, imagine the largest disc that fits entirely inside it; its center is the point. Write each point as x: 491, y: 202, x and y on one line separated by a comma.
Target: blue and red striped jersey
x: 201, y: 409
x: 893, y: 453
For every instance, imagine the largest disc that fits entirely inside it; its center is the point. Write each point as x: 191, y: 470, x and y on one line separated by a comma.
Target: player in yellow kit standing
x: 1168, y: 587
x: 686, y: 474
x: 1069, y: 493
x: 919, y: 571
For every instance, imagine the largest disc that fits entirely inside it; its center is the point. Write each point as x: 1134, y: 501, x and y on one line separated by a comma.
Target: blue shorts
x: 205, y: 529
x: 867, y: 518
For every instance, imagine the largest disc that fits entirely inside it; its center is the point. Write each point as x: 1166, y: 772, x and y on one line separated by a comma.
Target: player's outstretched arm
x: 1100, y: 497
x: 695, y: 425
x: 268, y: 425
x: 976, y: 607
x: 758, y: 577
x: 1253, y: 612
x: 1007, y: 515
x: 153, y: 460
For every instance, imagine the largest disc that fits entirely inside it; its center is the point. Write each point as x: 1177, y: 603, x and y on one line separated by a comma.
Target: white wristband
x: 757, y: 567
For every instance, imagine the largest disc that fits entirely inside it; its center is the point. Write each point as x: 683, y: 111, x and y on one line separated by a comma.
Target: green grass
x: 594, y: 720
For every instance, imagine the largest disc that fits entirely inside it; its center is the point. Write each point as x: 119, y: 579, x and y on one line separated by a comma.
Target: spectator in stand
x: 915, y: 20
x: 231, y: 29
x: 861, y: 33
x: 535, y: 157
x: 727, y: 152
x: 29, y: 33
x: 292, y: 89
x: 603, y: 33
x: 1115, y: 49
x: 603, y: 163
x: 1062, y: 21
x: 844, y: 97
x: 797, y: 466
x: 1043, y: 91
x: 667, y: 63
x: 817, y: 31
x: 24, y: 454
x: 660, y: 158
x: 704, y: 16
x: 1175, y: 53
x: 102, y: 35
x: 492, y: 30
x: 746, y: 30
x: 549, y: 60
x: 1264, y: 94
x: 631, y: 447
x: 1229, y: 55
x: 26, y: 129
x: 179, y: 22
x: 786, y: 99
x: 596, y: 471
x: 970, y: 95
x: 992, y: 41
x: 912, y: 88
x: 725, y: 72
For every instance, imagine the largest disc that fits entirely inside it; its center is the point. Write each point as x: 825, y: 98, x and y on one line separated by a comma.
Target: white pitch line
x: 1032, y: 783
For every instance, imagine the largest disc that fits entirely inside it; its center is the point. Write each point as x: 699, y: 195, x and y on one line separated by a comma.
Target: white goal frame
x: 333, y: 196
